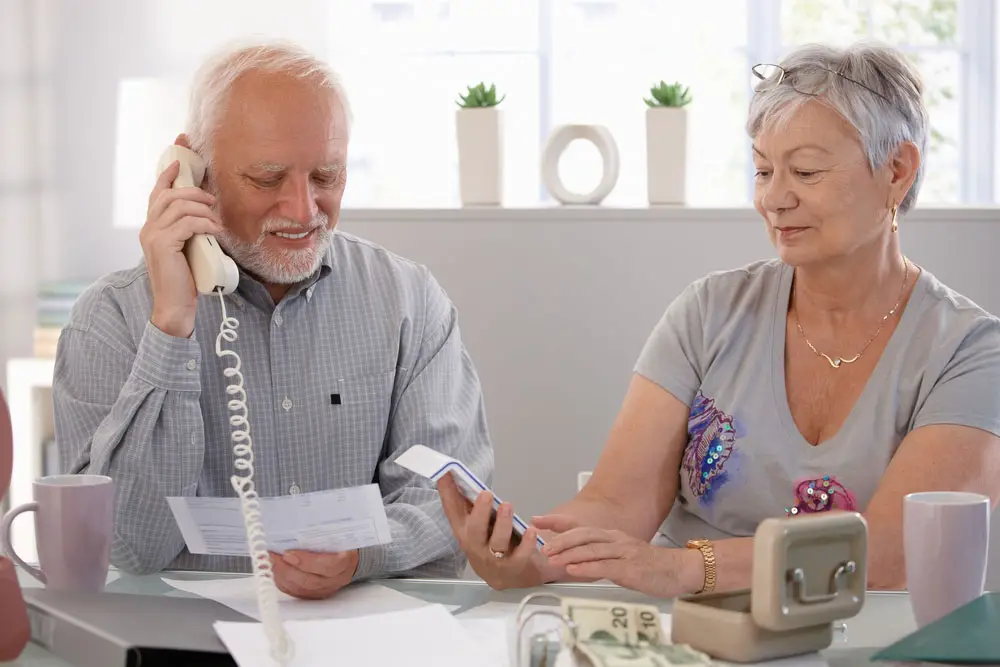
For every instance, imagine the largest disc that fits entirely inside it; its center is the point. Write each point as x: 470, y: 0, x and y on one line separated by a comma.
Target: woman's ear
x: 903, y: 168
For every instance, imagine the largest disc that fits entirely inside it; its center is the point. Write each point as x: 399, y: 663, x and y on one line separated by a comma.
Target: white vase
x: 666, y: 155
x: 480, y: 156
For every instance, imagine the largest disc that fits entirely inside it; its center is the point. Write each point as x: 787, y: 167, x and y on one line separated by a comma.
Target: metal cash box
x: 808, y: 571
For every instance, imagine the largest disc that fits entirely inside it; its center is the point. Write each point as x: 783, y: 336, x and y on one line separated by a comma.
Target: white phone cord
x: 282, y: 647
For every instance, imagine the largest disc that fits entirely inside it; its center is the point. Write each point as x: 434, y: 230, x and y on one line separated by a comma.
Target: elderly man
x: 350, y: 353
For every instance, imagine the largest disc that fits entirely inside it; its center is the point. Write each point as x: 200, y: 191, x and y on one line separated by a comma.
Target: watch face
x: 697, y: 544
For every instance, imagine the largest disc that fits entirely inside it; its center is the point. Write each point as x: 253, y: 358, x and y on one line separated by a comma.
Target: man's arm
x: 440, y: 406
x: 135, y: 416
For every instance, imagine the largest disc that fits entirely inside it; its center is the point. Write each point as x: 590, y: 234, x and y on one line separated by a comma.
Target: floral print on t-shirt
x: 820, y: 495
x: 712, y: 435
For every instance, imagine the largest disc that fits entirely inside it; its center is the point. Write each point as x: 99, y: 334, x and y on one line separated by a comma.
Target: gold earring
x: 895, y: 225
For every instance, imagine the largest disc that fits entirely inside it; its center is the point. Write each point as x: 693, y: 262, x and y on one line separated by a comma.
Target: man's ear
x: 182, y: 140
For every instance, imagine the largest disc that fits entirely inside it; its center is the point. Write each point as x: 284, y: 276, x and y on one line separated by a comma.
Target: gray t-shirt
x: 720, y: 348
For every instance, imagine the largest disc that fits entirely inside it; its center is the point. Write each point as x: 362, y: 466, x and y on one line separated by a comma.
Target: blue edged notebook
x: 969, y: 635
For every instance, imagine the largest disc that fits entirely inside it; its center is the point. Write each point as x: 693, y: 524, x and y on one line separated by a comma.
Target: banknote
x: 607, y: 654
x: 627, y: 624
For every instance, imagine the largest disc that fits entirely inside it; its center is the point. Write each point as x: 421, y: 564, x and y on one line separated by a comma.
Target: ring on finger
x: 497, y: 554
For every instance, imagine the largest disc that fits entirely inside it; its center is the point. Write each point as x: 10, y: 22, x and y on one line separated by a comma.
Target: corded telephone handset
x: 212, y: 269
x: 215, y: 273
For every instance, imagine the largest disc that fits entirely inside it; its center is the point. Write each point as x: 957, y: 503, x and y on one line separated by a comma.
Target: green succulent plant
x: 479, y: 96
x: 668, y: 95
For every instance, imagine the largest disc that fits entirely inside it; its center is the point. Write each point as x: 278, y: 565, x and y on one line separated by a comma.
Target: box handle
x: 798, y: 577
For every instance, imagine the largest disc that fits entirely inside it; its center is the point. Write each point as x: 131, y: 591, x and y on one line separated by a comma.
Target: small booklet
x: 434, y: 465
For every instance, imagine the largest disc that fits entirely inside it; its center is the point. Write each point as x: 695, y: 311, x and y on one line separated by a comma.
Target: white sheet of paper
x: 360, y: 599
x: 337, y: 520
x: 418, y: 637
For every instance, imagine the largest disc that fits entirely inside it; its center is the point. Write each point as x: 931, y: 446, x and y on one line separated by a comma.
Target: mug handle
x: 5, y: 540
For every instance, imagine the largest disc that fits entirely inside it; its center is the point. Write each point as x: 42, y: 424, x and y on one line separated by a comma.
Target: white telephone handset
x: 216, y: 273
x: 212, y: 269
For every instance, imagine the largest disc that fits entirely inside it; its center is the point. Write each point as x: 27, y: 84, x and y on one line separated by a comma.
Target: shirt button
x: 278, y: 320
x: 287, y: 403
x: 192, y: 364
x: 294, y: 489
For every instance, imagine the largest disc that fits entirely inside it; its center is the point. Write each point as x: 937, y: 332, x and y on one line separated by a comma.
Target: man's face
x: 278, y: 171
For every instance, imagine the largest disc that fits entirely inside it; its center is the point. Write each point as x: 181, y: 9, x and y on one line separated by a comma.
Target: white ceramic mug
x: 946, y: 537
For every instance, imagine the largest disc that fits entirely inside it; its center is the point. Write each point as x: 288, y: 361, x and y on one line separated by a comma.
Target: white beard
x: 279, y: 267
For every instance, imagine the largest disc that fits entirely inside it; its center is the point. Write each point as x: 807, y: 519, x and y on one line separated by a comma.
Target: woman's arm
x: 939, y: 457
x: 634, y: 484
x: 633, y: 487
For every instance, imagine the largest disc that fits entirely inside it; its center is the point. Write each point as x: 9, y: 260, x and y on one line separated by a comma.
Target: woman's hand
x: 596, y: 553
x: 518, y: 565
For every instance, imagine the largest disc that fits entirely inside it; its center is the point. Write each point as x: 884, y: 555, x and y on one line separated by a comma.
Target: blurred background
x: 555, y: 301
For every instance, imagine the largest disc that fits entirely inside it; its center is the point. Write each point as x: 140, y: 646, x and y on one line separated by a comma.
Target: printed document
x: 328, y: 521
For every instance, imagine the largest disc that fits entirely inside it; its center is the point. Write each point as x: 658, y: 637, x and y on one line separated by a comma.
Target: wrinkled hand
x: 313, y: 576
x: 173, y: 217
x: 522, y: 566
x: 597, y: 553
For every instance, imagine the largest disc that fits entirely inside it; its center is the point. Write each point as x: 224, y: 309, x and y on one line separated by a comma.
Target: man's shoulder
x: 115, y: 297
x: 356, y: 257
x: 358, y: 248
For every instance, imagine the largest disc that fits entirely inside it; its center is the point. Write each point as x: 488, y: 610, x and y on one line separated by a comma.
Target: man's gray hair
x: 883, y: 123
x: 215, y: 79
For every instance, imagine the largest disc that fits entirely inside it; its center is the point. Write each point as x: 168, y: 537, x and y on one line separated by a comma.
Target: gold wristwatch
x: 708, y: 553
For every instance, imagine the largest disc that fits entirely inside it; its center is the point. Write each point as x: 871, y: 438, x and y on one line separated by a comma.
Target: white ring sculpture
x: 559, y: 140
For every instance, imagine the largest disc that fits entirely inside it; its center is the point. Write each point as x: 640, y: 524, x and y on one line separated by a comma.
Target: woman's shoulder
x: 951, y: 334
x: 745, y: 285
x: 947, y: 314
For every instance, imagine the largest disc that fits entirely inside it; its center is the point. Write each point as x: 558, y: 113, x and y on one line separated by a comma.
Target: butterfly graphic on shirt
x: 711, y: 437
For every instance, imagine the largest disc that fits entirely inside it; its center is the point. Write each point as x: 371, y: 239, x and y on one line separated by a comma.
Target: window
x: 592, y: 61
x: 928, y: 32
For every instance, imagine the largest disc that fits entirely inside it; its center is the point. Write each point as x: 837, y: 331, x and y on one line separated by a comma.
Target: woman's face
x: 815, y: 190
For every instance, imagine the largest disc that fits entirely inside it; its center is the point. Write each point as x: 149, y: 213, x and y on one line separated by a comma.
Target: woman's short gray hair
x: 214, y: 81
x: 883, y: 123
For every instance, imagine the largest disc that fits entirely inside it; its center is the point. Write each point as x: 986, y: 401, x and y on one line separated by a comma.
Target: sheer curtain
x: 26, y: 188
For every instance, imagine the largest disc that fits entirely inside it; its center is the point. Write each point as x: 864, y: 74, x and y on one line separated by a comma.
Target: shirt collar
x: 253, y: 290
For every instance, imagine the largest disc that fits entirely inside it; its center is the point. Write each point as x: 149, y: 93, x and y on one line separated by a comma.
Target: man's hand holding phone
x: 173, y: 217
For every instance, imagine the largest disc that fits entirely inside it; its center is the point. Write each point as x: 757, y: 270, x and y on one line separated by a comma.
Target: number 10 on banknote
x: 600, y: 633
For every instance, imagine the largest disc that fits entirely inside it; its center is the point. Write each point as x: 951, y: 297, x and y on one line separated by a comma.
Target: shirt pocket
x: 360, y: 408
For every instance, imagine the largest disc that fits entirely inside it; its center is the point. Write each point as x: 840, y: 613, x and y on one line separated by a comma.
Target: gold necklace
x: 836, y: 362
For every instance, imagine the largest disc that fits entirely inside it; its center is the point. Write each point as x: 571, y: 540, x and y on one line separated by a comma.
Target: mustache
x: 320, y: 220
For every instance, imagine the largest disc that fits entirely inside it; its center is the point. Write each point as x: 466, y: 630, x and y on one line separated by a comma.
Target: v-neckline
x: 779, y: 338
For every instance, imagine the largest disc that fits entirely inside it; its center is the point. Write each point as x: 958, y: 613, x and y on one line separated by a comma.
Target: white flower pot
x: 666, y: 155
x: 480, y: 156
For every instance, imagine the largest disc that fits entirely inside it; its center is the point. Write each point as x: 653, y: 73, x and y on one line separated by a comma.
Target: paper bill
x: 328, y: 521
x: 626, y: 624
x: 606, y: 654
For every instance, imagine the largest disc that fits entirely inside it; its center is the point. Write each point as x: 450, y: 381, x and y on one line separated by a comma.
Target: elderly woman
x: 841, y: 376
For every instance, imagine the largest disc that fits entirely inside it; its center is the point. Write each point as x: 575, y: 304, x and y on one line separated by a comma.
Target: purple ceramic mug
x: 74, y: 523
x: 946, y: 537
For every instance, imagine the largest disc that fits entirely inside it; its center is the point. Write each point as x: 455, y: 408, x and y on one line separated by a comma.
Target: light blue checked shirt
x: 351, y: 368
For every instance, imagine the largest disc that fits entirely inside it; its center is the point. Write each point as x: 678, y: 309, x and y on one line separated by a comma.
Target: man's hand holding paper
x: 313, y: 576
